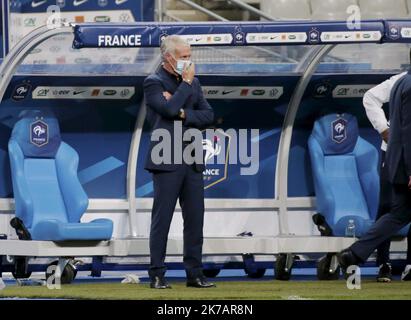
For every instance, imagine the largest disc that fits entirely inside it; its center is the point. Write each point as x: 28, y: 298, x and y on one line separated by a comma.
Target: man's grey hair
x: 170, y: 43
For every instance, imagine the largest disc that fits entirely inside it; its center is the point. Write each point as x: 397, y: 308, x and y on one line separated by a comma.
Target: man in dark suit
x: 398, y: 162
x: 175, y: 100
x: 374, y: 100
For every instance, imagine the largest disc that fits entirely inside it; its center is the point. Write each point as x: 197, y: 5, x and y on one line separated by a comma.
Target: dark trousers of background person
x: 388, y: 225
x: 187, y: 185
x: 383, y: 250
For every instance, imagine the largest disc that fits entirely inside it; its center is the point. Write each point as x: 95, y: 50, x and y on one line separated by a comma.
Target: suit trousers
x: 384, y: 207
x: 387, y: 225
x: 185, y: 184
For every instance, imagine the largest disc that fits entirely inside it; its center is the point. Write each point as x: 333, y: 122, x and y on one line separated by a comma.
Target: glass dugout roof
x: 56, y: 56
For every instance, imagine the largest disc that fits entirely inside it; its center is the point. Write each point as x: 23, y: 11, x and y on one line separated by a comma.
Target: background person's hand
x: 167, y: 95
x: 189, y: 72
x: 385, y: 135
x: 409, y: 183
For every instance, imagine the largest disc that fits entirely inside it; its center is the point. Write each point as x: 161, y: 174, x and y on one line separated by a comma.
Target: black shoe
x: 20, y: 228
x: 159, y: 283
x: 347, y: 258
x: 384, y: 274
x: 322, y: 225
x: 199, y: 283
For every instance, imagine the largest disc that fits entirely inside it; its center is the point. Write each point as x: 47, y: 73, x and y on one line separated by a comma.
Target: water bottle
x: 30, y: 282
x: 350, y: 230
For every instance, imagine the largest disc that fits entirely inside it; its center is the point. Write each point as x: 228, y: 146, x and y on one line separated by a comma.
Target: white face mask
x: 180, y: 65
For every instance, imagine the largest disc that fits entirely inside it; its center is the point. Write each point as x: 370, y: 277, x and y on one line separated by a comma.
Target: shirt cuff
x: 382, y: 128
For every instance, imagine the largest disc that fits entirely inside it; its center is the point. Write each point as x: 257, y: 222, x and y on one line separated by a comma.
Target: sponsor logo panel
x: 351, y: 91
x: 204, y: 39
x: 350, y: 36
x: 406, y: 32
x: 116, y: 93
x: 282, y: 37
x: 242, y: 92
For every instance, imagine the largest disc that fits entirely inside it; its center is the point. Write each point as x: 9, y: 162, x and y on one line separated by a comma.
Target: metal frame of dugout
x: 322, y: 36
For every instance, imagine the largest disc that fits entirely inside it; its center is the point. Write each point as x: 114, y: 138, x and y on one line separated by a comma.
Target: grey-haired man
x: 174, y: 95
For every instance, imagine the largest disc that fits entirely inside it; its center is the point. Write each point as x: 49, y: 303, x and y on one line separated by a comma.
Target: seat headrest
x: 37, y: 134
x: 336, y: 133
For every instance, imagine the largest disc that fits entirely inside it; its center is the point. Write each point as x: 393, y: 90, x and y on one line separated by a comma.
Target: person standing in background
x: 373, y: 102
x: 398, y: 165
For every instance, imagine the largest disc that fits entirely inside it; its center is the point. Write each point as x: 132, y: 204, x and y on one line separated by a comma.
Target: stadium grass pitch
x: 255, y: 290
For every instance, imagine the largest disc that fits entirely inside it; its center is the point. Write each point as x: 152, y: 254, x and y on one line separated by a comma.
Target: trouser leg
x: 192, y: 205
x: 409, y: 246
x: 388, y: 225
x: 383, y: 250
x: 167, y: 186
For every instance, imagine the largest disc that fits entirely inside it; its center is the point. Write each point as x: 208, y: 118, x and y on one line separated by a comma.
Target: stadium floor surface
x: 255, y: 290
x: 229, y: 286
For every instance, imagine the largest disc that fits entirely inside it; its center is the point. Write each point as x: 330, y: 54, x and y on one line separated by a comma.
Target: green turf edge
x: 253, y: 290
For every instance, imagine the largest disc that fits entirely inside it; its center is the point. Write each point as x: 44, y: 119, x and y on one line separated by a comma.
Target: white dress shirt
x: 374, y: 100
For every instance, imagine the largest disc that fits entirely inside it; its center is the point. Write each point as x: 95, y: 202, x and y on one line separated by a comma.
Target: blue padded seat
x: 49, y: 198
x: 345, y: 173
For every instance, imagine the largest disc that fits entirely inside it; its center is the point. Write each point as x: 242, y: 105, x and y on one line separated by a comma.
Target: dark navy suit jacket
x: 161, y: 114
x: 398, y: 156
